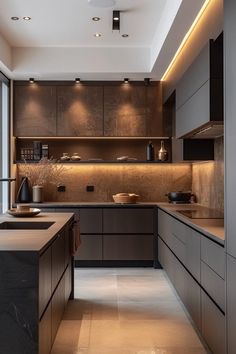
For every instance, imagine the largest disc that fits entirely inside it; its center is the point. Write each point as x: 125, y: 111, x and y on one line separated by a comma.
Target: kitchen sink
x: 25, y: 225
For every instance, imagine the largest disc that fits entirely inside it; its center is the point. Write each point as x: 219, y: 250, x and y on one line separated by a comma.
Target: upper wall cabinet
x: 34, y: 110
x: 131, y: 110
x: 80, y: 110
x: 94, y: 109
x: 199, y: 94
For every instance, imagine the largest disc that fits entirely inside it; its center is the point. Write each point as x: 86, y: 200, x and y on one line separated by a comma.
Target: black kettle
x: 24, y: 193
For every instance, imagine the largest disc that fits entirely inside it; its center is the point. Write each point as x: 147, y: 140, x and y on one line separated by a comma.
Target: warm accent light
x: 126, y: 80
x: 26, y: 18
x: 31, y: 80
x: 97, y: 35
x: 77, y: 80
x: 199, y: 15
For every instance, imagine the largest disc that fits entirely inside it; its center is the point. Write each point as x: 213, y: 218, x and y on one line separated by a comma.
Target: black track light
x: 77, y: 80
x: 116, y: 20
x: 147, y: 81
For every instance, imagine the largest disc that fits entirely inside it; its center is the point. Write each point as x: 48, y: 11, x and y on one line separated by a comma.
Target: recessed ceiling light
x: 26, y: 18
x: 126, y: 80
x: 96, y: 18
x: 102, y: 3
x: 31, y: 80
x: 14, y: 18
x: 116, y: 18
x: 97, y: 35
x: 125, y: 35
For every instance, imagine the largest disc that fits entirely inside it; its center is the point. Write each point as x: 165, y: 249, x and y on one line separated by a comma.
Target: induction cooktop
x: 202, y: 214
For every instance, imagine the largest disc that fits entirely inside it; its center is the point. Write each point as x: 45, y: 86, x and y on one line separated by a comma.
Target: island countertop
x: 32, y: 240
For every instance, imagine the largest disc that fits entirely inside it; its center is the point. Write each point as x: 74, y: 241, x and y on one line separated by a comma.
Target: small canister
x: 37, y: 194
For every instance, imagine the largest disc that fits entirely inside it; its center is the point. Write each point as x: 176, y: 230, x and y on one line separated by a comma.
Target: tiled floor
x: 125, y: 311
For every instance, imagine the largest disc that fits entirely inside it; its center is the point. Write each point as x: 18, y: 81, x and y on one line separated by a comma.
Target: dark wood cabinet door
x: 45, y: 332
x: 45, y: 282
x: 90, y: 248
x: 34, y: 110
x: 58, y: 307
x: 128, y: 221
x: 128, y: 247
x: 91, y: 221
x: 58, y: 259
x: 156, y: 125
x: 80, y: 110
x: 125, y: 110
x: 133, y: 110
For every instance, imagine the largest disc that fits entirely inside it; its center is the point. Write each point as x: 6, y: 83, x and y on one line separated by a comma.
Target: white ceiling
x: 59, y: 43
x: 69, y: 23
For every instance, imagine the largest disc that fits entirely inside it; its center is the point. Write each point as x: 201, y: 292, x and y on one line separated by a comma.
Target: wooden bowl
x: 125, y: 199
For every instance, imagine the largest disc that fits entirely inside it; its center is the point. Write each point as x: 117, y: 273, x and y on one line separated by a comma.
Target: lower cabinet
x: 58, y: 306
x: 231, y: 304
x: 55, y: 287
x: 213, y: 325
x: 128, y: 247
x: 90, y: 248
x: 209, y: 319
x: 115, y: 233
x: 45, y: 331
x: 188, y: 289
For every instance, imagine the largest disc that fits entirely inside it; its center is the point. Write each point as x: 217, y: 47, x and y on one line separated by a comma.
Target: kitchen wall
x: 208, y: 179
x: 151, y: 182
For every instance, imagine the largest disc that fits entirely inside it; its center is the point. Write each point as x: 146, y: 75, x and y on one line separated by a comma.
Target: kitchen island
x: 36, y: 280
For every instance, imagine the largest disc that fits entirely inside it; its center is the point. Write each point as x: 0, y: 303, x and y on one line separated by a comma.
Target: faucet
x: 7, y: 179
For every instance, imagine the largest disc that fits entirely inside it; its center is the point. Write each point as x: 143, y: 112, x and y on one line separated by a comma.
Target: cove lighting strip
x: 206, y: 3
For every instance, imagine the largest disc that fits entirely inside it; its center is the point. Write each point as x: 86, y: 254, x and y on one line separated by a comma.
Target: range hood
x: 207, y: 131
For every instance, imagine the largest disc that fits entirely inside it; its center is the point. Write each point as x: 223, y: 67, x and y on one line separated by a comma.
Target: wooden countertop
x: 32, y: 240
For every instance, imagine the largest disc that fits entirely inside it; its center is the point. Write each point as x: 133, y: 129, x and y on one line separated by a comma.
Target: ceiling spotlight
x: 147, y: 81
x: 96, y: 18
x: 26, y: 18
x: 77, y: 80
x: 31, y: 80
x: 126, y: 80
x: 14, y: 18
x: 125, y: 35
x: 116, y: 20
x: 97, y: 35
x: 102, y: 3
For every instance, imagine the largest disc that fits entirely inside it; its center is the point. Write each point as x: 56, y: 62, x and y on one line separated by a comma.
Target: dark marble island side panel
x: 19, y: 302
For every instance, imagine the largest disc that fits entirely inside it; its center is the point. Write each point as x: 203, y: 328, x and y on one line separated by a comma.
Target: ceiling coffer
x: 116, y: 20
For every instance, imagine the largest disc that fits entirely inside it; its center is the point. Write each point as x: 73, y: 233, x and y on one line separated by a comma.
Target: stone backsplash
x: 208, y: 179
x: 150, y: 181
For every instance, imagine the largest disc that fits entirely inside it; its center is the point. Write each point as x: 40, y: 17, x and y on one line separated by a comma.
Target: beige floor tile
x: 125, y: 311
x: 130, y: 310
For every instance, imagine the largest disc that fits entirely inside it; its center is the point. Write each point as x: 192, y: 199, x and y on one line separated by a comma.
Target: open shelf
x: 98, y: 162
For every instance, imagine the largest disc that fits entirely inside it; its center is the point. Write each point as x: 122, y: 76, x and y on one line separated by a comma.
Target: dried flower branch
x: 44, y: 172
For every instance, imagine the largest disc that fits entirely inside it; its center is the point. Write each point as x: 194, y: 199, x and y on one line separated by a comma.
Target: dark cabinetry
x: 55, y: 287
x: 196, y: 267
x: 80, y: 110
x: 88, y: 109
x: 115, y: 234
x: 199, y: 93
x: 35, y: 110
